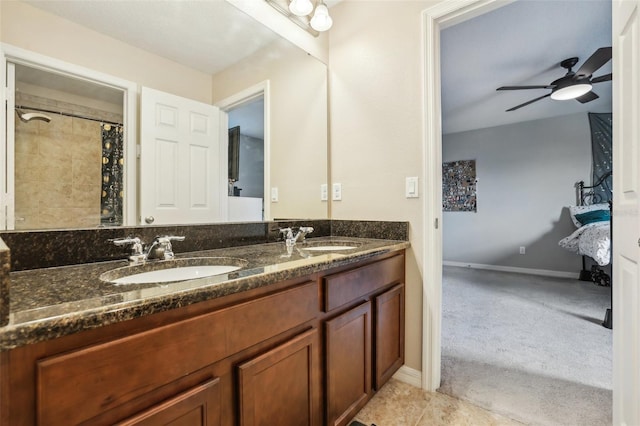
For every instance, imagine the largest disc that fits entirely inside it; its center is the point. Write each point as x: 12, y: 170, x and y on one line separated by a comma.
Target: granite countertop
x: 53, y: 302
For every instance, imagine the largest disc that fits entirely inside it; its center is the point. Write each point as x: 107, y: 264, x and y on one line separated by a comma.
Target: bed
x: 592, y: 217
x: 592, y: 236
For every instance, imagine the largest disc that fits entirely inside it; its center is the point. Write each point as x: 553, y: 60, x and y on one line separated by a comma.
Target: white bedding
x: 591, y: 240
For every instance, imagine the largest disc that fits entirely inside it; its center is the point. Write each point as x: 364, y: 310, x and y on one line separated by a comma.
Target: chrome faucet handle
x: 302, y: 232
x: 137, y: 250
x: 287, y: 232
x: 125, y: 241
x: 290, y: 240
x: 161, y: 247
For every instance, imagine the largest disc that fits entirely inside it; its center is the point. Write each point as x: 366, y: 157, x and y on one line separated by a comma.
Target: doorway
x: 53, y: 108
x: 249, y: 193
x: 246, y: 159
x: 440, y: 16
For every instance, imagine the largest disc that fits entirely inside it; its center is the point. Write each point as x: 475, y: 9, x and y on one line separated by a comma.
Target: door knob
x: 149, y: 219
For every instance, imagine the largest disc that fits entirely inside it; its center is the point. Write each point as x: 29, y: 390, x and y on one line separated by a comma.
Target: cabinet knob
x: 149, y: 219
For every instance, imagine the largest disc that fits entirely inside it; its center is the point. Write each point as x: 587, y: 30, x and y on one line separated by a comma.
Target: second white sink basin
x: 173, y: 270
x: 329, y: 248
x: 336, y: 245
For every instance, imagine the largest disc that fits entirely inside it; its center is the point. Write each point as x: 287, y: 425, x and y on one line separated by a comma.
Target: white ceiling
x: 206, y: 35
x: 521, y: 43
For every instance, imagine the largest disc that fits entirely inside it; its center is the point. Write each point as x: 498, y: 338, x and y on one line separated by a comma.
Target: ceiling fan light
x: 571, y: 92
x: 301, y: 7
x: 321, y: 20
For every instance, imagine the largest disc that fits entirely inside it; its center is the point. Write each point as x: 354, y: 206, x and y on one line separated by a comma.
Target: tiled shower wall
x: 57, y: 170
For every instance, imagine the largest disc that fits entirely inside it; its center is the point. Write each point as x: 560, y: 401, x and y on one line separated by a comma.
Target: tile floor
x: 400, y: 404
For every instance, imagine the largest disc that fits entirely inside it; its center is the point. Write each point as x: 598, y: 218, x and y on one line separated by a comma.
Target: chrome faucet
x: 302, y: 232
x: 291, y: 239
x: 159, y: 249
x: 137, y: 250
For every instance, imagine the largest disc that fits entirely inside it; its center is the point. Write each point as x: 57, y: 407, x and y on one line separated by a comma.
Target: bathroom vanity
x: 295, y: 337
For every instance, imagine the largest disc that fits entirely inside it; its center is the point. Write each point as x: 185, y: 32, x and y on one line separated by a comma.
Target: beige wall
x: 375, y: 84
x: 298, y: 117
x: 33, y: 29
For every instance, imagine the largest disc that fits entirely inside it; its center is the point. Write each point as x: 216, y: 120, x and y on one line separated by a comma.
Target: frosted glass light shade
x: 571, y: 92
x: 321, y: 20
x: 301, y: 7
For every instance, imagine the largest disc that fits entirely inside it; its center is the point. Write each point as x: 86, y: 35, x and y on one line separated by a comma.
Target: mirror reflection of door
x: 246, y: 190
x: 68, y: 152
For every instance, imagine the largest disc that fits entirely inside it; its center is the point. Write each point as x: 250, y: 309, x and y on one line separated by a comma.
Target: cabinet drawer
x: 345, y: 287
x: 79, y: 385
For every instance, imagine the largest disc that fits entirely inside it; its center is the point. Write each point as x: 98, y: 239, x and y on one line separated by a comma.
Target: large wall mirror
x: 69, y: 144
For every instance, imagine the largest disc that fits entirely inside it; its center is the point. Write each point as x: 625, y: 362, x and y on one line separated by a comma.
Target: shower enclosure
x: 68, y: 155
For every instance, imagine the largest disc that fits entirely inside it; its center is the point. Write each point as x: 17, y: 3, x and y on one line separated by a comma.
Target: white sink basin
x: 329, y: 248
x: 173, y: 270
x: 175, y: 274
x: 336, y: 245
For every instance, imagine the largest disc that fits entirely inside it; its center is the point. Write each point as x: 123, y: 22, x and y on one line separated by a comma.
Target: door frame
x: 10, y: 53
x: 435, y: 18
x: 243, y: 97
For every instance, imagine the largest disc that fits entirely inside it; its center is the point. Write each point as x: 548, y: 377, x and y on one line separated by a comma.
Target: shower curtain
x: 112, y: 174
x: 601, y: 133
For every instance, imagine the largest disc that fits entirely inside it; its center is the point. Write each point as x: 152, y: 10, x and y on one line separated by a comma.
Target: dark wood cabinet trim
x: 205, y: 398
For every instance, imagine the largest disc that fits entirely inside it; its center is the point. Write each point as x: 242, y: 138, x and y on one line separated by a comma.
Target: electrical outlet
x: 324, y: 192
x: 523, y: 250
x: 274, y: 194
x: 337, y: 192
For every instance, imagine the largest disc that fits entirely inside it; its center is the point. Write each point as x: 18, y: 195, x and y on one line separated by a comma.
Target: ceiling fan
x: 574, y: 85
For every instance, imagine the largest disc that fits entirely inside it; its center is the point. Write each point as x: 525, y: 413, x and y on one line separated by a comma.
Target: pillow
x: 593, y: 216
x: 574, y: 210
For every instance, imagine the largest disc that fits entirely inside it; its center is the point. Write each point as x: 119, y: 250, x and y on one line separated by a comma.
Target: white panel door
x: 179, y: 160
x: 626, y: 213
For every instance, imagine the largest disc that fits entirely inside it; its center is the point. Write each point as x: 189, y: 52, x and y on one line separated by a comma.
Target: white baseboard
x: 409, y: 376
x: 542, y: 272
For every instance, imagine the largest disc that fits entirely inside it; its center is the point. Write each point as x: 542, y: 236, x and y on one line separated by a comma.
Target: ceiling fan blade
x: 523, y: 87
x: 587, y: 97
x: 595, y: 61
x: 606, y: 77
x: 530, y: 102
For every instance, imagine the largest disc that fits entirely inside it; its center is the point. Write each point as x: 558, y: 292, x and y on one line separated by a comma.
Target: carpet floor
x: 528, y: 347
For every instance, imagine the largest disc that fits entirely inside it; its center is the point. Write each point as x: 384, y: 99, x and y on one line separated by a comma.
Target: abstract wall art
x: 459, y: 186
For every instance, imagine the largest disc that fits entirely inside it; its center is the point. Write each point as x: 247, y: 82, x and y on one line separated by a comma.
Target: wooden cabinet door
x: 389, y: 334
x: 198, y: 406
x: 281, y: 387
x: 348, y: 358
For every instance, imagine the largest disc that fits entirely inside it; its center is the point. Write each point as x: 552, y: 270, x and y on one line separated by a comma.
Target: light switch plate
x: 411, y: 187
x: 274, y: 194
x: 337, y: 192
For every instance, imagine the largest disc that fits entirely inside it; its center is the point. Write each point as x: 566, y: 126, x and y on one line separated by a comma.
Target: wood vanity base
x: 310, y: 351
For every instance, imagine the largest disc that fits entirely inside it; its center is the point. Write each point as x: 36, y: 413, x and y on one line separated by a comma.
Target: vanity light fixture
x: 302, y: 13
x: 301, y: 7
x: 321, y: 21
